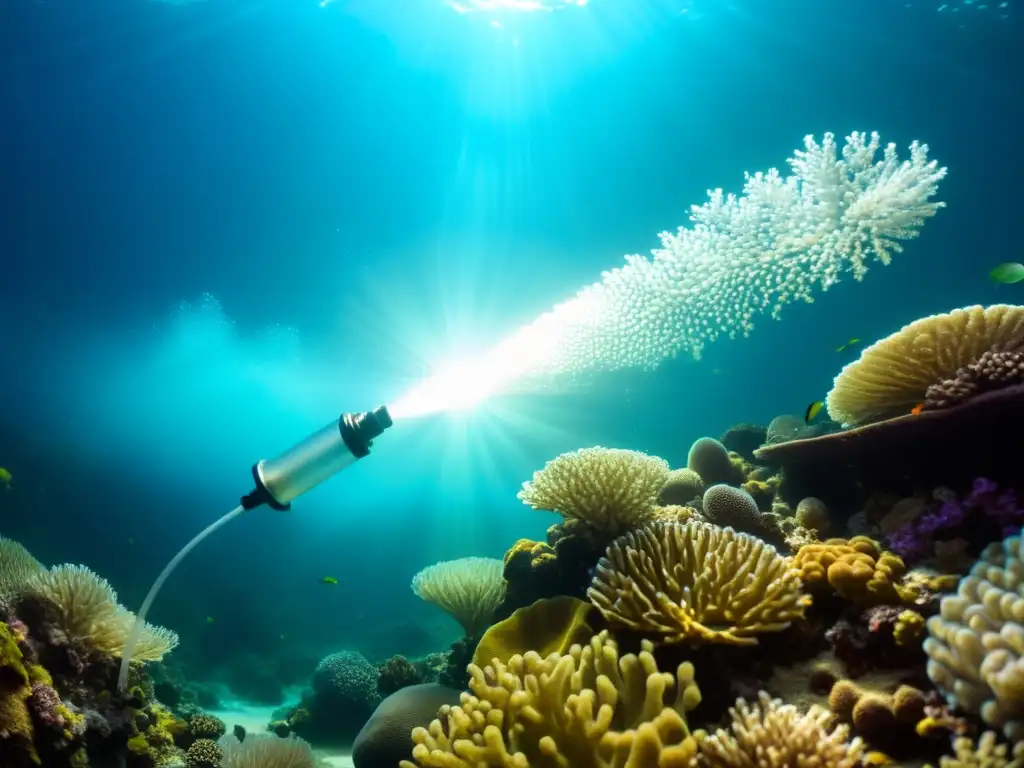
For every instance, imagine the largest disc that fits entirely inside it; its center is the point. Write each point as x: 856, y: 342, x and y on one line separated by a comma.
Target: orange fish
x: 916, y: 410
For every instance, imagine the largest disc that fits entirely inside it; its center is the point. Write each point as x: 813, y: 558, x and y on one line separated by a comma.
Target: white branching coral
x: 608, y: 489
x: 779, y: 241
x: 468, y: 589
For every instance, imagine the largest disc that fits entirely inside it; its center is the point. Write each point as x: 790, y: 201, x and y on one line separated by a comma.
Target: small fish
x: 1008, y: 272
x: 5, y: 478
x: 328, y: 580
x: 209, y: 619
x: 239, y: 733
x: 813, y: 410
x: 847, y: 345
x: 917, y: 409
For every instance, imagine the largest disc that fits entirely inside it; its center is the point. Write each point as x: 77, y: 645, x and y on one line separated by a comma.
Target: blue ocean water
x: 223, y: 223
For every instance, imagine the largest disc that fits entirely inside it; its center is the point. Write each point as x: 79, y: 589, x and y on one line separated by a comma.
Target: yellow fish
x: 328, y: 580
x: 847, y: 345
x: 5, y: 478
x: 813, y: 410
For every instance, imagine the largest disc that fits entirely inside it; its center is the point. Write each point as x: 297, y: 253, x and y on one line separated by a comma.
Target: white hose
x: 140, y: 618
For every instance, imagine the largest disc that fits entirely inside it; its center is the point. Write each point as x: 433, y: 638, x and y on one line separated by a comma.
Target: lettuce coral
x: 588, y: 708
x: 696, y: 581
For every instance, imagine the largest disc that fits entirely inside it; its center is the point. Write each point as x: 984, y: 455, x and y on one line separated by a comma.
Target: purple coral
x: 916, y: 538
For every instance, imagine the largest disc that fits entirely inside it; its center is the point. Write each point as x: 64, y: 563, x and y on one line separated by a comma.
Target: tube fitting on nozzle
x: 318, y: 457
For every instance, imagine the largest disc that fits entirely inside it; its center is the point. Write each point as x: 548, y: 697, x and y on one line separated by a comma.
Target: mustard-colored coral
x: 589, y: 708
x: 696, y: 581
x: 770, y: 734
x: 856, y: 569
x: 909, y: 629
x: 15, y: 690
x: 547, y: 626
x: 609, y: 489
x: 976, y: 644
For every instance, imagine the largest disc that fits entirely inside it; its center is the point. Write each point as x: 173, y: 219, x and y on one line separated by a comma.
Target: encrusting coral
x: 468, y: 589
x: 892, y: 376
x: 609, y: 489
x: 976, y: 643
x: 696, y: 581
x: 588, y: 708
x: 770, y: 734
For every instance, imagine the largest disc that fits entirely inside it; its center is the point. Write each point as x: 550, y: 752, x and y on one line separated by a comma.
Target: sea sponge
x: 975, y: 645
x: 589, y: 708
x: 681, y: 487
x: 892, y: 376
x: 726, y: 506
x: 607, y: 488
x: 547, y: 626
x: 266, y: 751
x: 710, y: 460
x: 696, y: 581
x: 17, y: 567
x: 468, y: 589
x: 86, y: 610
x: 856, y: 569
x: 770, y: 733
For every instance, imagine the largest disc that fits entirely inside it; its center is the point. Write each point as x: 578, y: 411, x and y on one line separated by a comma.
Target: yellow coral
x: 985, y: 754
x: 697, y: 581
x: 547, y: 626
x: 909, y: 629
x: 857, y: 569
x: 589, y: 708
x: 771, y: 734
x: 609, y: 489
x: 15, y: 690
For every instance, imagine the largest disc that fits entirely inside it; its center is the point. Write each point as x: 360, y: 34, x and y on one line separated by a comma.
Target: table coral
x: 976, y: 643
x: 856, y: 569
x: 697, y: 581
x: 588, y: 708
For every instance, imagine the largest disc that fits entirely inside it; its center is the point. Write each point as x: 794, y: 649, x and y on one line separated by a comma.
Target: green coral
x: 15, y: 690
x: 157, y: 745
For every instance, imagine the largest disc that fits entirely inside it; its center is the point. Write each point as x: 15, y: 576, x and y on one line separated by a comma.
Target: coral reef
x: 469, y: 590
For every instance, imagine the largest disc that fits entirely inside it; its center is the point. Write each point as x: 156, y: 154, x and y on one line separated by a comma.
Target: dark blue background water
x: 363, y: 190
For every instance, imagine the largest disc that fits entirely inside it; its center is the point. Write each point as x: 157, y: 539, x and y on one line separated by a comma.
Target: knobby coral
x: 893, y: 375
x: 468, y: 589
x: 770, y: 734
x: 589, y: 708
x: 856, y: 569
x: 609, y: 489
x: 976, y: 643
x: 696, y: 581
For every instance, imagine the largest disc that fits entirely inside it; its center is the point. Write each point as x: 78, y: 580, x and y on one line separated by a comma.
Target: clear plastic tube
x: 140, y: 618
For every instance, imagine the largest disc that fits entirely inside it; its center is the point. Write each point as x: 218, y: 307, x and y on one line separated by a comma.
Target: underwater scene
x: 511, y: 384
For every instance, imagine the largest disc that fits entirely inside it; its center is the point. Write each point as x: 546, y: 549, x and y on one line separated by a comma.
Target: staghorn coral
x: 588, y: 708
x: 17, y: 567
x: 726, y: 506
x: 610, y: 489
x: 985, y: 753
x: 856, y: 569
x: 770, y: 734
x: 892, y: 376
x: 468, y: 589
x: 85, y: 608
x: 696, y: 581
x: 975, y: 645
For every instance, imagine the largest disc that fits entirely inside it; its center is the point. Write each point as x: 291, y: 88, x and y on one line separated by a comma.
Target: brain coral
x: 976, y: 643
x: 732, y: 507
x: 468, y: 589
x: 892, y: 376
x: 609, y: 489
x: 589, y: 708
x: 346, y: 676
x: 857, y: 569
x: 697, y: 581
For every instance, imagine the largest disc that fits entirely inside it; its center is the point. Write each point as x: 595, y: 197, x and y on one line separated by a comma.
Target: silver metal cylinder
x: 306, y: 464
